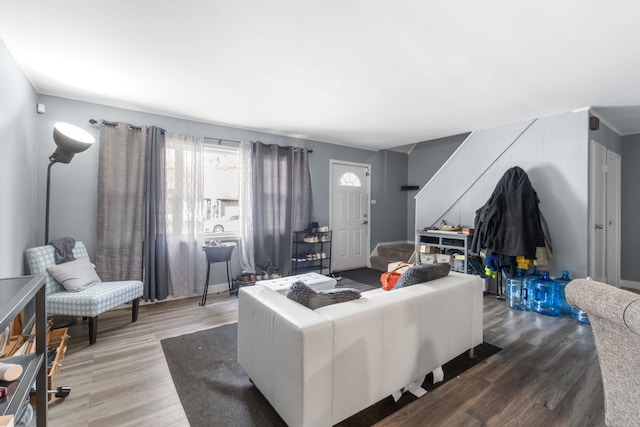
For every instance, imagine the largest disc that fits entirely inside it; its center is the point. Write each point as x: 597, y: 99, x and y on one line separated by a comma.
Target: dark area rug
x: 215, y: 391
x: 362, y: 279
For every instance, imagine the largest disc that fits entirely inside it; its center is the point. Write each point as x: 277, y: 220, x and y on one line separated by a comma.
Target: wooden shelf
x: 15, y: 294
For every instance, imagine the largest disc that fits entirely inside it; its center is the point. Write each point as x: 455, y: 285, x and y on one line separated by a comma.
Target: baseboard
x: 629, y: 284
x: 399, y: 242
x: 217, y: 288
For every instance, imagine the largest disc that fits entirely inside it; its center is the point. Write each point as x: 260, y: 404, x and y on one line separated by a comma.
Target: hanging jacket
x: 509, y: 224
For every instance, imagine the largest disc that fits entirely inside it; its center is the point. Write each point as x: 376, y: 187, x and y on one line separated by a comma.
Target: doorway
x: 604, y: 214
x: 350, y: 215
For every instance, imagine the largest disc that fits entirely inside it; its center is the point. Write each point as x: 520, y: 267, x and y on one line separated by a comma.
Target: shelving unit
x: 446, y: 241
x: 307, y: 256
x: 15, y: 294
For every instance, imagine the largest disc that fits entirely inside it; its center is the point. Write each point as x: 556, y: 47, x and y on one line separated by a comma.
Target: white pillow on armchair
x: 75, y: 275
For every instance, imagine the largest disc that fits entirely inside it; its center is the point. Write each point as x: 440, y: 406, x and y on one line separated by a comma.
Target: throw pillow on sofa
x: 309, y: 297
x: 422, y: 273
x: 74, y: 275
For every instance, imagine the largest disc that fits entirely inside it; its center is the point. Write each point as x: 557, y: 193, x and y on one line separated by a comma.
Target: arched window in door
x: 349, y: 180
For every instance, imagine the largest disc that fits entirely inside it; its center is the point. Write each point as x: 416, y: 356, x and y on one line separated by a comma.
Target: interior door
x: 613, y: 198
x: 349, y: 215
x: 604, y: 212
x: 597, y: 212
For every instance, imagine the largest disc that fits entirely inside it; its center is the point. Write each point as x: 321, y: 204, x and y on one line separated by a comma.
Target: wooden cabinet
x: 16, y: 294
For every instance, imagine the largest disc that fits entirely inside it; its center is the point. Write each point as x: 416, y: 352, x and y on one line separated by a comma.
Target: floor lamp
x: 69, y: 140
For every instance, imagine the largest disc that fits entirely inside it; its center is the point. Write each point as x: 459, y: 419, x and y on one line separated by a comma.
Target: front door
x: 349, y: 215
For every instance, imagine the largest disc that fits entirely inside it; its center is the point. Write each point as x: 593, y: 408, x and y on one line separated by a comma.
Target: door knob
x: 599, y: 227
x: 365, y: 222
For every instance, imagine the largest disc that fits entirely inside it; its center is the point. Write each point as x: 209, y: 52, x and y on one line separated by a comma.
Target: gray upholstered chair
x: 615, y: 319
x: 89, y: 302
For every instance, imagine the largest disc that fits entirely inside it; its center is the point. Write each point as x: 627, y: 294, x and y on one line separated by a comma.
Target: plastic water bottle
x: 561, y: 283
x: 516, y: 296
x: 545, y: 299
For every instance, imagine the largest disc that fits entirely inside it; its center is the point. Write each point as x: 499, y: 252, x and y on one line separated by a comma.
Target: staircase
x: 468, y: 165
x: 385, y: 254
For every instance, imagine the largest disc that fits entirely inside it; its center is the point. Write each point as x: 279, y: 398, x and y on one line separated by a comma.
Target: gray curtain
x: 121, y: 212
x: 131, y: 239
x: 282, y: 195
x: 302, y: 205
x: 155, y: 256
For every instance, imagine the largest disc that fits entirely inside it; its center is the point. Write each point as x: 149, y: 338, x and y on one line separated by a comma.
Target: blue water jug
x: 563, y: 305
x: 528, y: 286
x: 516, y: 296
x: 545, y: 296
x: 580, y: 315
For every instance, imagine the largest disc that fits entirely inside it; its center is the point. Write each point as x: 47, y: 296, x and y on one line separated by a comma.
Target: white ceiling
x: 365, y: 73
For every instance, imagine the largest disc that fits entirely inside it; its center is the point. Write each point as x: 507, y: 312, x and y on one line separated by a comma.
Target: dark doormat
x: 215, y: 391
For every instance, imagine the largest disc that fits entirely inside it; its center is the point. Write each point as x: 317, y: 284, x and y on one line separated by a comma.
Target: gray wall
x: 554, y: 153
x: 425, y: 160
x: 27, y: 142
x: 388, y: 173
x: 18, y: 209
x: 562, y: 188
x: 73, y: 189
x: 74, y: 184
x: 607, y: 137
x: 391, y: 201
x: 630, y: 208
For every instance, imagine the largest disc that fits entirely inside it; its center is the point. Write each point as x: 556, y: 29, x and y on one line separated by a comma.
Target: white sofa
x: 319, y: 367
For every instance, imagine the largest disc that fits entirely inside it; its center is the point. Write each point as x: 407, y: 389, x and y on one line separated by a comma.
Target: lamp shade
x: 70, y: 140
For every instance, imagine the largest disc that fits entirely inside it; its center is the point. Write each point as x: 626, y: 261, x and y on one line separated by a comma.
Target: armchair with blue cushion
x: 90, y: 301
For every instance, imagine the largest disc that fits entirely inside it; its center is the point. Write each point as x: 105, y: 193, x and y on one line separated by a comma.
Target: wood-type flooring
x: 546, y: 375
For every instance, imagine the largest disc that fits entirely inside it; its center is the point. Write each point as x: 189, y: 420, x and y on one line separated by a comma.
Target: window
x: 349, y: 180
x: 221, y: 191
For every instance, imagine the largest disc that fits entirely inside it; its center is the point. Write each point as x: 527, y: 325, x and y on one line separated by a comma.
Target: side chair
x: 89, y: 302
x: 614, y: 315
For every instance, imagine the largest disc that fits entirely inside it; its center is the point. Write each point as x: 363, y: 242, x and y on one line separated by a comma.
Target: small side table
x: 217, y: 253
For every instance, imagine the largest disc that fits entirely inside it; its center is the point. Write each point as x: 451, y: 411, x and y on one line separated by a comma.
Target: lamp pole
x: 69, y: 140
x: 46, y: 222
